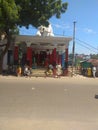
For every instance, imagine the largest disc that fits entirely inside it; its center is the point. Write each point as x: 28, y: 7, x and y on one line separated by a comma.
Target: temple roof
x: 44, y: 41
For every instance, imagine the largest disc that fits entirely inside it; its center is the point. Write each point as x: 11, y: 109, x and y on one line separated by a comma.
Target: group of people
x: 25, y: 71
x: 54, y: 71
x: 90, y: 71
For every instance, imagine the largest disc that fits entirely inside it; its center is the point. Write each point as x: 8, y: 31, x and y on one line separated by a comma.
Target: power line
x: 87, y: 44
x: 83, y: 44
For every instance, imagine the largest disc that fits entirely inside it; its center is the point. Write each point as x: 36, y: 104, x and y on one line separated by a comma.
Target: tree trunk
x: 4, y: 51
x: 1, y: 63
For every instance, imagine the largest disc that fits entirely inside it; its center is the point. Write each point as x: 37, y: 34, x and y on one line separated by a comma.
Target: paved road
x: 48, y: 103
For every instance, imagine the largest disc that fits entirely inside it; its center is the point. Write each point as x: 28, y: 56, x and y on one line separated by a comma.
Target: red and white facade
x: 50, y: 49
x: 39, y: 51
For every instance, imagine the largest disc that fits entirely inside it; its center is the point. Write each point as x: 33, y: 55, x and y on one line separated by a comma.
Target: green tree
x: 8, y: 17
x: 15, y: 13
x: 94, y: 56
x: 38, y: 12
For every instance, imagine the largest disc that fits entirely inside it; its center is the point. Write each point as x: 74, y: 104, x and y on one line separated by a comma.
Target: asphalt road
x: 48, y: 103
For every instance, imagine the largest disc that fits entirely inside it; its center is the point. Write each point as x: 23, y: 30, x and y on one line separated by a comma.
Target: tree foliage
x: 94, y: 56
x: 37, y: 12
x: 8, y: 15
x: 26, y: 12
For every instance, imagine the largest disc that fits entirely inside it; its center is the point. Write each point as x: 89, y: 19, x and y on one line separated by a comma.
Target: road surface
x: 48, y: 103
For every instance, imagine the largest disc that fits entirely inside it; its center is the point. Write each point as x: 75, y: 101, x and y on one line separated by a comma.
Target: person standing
x: 94, y: 71
x: 19, y: 71
x: 89, y: 72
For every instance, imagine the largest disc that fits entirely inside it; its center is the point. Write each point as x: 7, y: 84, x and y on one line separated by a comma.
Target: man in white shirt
x: 94, y: 71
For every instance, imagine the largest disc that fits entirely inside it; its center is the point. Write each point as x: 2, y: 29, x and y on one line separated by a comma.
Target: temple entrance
x: 39, y: 58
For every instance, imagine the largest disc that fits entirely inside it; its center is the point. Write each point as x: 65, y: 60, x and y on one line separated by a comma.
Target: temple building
x: 40, y: 50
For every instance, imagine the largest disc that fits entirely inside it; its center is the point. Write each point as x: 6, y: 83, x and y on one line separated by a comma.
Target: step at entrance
x: 40, y: 72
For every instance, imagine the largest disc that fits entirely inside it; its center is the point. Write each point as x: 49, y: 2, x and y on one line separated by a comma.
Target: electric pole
x: 73, y: 48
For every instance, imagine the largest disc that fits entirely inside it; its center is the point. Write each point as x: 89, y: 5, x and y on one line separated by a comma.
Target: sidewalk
x: 75, y: 77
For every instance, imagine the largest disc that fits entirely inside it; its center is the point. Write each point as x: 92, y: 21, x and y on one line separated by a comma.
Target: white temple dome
x: 45, y: 31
